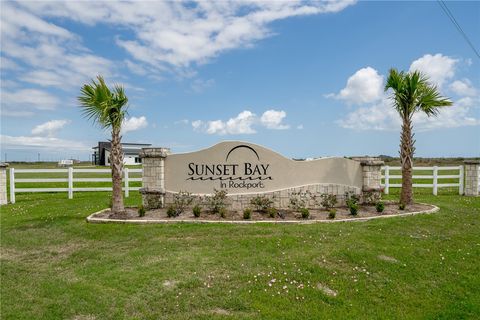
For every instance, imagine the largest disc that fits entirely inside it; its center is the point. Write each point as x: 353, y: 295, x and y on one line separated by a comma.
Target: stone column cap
x: 154, y: 152
x: 369, y: 161
x: 151, y: 191
x: 372, y: 163
x: 3, y: 165
x: 471, y: 161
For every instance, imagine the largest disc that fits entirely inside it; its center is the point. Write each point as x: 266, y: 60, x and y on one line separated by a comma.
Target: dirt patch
x: 387, y: 258
x: 84, y: 317
x: 342, y: 213
x: 170, y: 284
x: 220, y: 311
x: 326, y: 290
x: 53, y: 252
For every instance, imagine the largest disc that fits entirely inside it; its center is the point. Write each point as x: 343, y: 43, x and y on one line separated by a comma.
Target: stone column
x: 3, y: 183
x: 153, y: 177
x: 372, y: 178
x: 471, y: 177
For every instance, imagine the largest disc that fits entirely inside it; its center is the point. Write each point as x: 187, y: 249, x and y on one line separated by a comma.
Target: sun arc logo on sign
x: 231, y: 174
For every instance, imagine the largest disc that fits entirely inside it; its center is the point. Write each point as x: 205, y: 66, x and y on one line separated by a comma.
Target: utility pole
x: 39, y: 157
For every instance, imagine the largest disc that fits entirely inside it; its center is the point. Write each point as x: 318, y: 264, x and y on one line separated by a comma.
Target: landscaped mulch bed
x: 365, y: 211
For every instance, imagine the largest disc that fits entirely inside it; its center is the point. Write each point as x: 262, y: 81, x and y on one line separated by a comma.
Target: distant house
x: 65, y: 163
x: 131, y: 152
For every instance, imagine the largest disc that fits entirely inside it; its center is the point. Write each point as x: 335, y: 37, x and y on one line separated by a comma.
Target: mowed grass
x: 54, y: 265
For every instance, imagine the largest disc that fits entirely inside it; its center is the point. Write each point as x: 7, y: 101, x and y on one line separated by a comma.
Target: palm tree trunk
x: 406, y: 157
x: 116, y: 164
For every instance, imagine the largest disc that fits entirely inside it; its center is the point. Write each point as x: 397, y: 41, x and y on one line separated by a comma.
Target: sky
x: 305, y: 79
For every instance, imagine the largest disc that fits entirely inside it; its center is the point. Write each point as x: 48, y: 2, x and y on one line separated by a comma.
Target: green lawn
x: 56, y: 266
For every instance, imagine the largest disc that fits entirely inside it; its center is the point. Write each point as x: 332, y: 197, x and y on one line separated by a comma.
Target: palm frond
x: 412, y: 92
x: 101, y: 105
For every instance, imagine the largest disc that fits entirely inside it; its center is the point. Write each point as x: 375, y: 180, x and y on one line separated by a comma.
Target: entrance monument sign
x: 246, y: 170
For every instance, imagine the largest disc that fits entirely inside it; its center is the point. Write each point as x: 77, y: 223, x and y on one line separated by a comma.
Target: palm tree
x: 412, y: 93
x: 107, y: 108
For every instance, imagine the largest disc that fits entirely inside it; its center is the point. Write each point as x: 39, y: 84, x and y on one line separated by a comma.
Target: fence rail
x: 387, y: 177
x: 435, y: 177
x: 70, y: 179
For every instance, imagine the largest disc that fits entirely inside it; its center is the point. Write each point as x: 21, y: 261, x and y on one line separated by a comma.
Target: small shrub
x: 328, y: 200
x: 380, y: 206
x: 305, y: 213
x: 371, y: 197
x: 402, y: 206
x: 332, y: 213
x: 351, y: 198
x: 141, y: 211
x: 182, y: 200
x: 197, y: 210
x: 172, y: 212
x: 261, y: 203
x: 299, y: 200
x: 223, y: 212
x: 247, y: 213
x: 353, y: 209
x: 272, y: 212
x: 217, y: 201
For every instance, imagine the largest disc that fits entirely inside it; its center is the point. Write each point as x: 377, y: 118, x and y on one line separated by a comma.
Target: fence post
x: 471, y: 177
x: 125, y: 177
x: 435, y: 180
x: 460, y: 180
x: 70, y: 182
x: 3, y: 183
x: 12, y: 185
x: 387, y: 180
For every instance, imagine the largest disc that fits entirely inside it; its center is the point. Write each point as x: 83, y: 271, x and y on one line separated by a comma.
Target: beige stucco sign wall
x: 240, y: 168
x: 246, y: 170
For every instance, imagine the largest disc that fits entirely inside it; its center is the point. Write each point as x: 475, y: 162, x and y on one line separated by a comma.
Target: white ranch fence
x: 70, y: 179
x: 435, y: 177
x: 386, y: 177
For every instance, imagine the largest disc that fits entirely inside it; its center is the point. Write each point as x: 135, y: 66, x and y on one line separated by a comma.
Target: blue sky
x: 303, y: 78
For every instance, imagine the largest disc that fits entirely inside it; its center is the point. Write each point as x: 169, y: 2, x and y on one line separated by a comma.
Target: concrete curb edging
x: 92, y: 219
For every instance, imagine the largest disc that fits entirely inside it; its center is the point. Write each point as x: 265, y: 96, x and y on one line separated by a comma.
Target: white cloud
x: 272, y: 119
x: 438, y: 67
x: 135, y: 68
x: 364, y: 86
x: 382, y: 116
x: 379, y: 116
x: 51, y: 55
x: 199, y: 85
x: 8, y: 64
x: 18, y: 23
x: 182, y: 122
x: 134, y: 123
x: 243, y: 123
x: 49, y: 128
x: 449, y: 117
x: 197, y: 125
x: 463, y: 88
x: 48, y: 143
x: 300, y: 127
x: 179, y: 34
x: 25, y: 101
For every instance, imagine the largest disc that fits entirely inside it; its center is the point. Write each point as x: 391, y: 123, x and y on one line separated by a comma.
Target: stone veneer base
x: 92, y: 219
x: 281, y: 198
